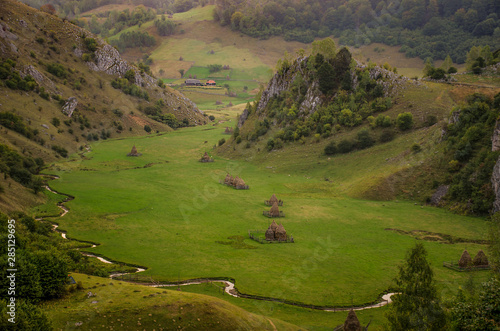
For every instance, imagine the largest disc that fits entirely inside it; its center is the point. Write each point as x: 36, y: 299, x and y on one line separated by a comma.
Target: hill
x: 334, y: 105
x: 64, y: 87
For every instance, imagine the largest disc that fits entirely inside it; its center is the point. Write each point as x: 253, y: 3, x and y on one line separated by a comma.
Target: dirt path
x: 229, y: 286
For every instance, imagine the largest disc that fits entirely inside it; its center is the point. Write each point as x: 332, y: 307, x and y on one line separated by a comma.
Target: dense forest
x: 424, y: 28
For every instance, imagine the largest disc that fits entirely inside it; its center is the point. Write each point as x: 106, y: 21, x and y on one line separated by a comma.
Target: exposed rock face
x: 108, y: 60
x: 243, y: 117
x: 439, y: 194
x: 69, y: 106
x: 41, y: 79
x: 280, y: 83
x: 495, y: 139
x: 312, y: 99
x: 495, y: 181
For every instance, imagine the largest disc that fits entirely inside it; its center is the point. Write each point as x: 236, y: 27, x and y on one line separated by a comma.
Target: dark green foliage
x: 270, y: 144
x: 147, y: 128
x: 91, y: 44
x: 345, y: 146
x: 423, y: 28
x: 469, y: 147
x: 364, y: 139
x: 326, y: 78
x: 221, y: 141
x: 404, y: 121
x: 28, y: 317
x: 60, y: 150
x: 55, y: 122
x: 211, y: 117
x: 452, y: 70
x: 12, y: 78
x: 331, y: 148
x: 214, y: 68
x: 165, y: 27
x: 14, y: 122
x: 417, y: 307
x: 133, y: 39
x: 128, y: 88
x: 481, y: 313
x: 415, y: 148
x: 57, y: 70
x: 387, y: 135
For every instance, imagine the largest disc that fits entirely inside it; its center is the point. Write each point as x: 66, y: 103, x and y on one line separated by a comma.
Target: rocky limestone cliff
x: 108, y: 60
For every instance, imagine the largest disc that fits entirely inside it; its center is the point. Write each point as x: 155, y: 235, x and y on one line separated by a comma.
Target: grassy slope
x: 131, y: 307
x: 94, y: 102
x: 178, y: 210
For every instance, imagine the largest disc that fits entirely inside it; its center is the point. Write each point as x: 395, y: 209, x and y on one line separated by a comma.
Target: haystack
x: 206, y: 158
x: 269, y: 234
x: 273, y: 199
x: 465, y: 260
x: 280, y: 233
x: 352, y: 322
x: 228, y: 179
x: 134, y: 152
x: 273, y: 226
x: 480, y: 259
x: 239, y: 183
x: 274, y: 211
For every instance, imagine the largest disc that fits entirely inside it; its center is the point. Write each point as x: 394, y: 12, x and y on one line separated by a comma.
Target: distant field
x: 177, y: 209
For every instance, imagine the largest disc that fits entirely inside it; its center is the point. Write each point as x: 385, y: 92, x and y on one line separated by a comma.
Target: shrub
x: 222, y: 141
x: 386, y: 136
x: 238, y: 139
x: 57, y: 70
x: 415, y: 148
x: 404, y: 121
x: 364, y: 139
x: 270, y: 144
x: 430, y: 120
x: 345, y: 146
x: 56, y: 122
x: 60, y: 150
x: 211, y: 117
x: 331, y: 148
x: 147, y: 128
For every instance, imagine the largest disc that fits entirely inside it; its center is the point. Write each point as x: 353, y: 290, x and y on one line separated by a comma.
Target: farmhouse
x: 193, y: 82
x: 210, y: 83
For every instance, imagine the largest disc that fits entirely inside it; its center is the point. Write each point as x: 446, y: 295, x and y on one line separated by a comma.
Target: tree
x: 48, y: 8
x: 331, y: 148
x: 404, y: 121
x: 325, y: 77
x: 417, y: 306
x: 325, y: 47
x: 181, y: 71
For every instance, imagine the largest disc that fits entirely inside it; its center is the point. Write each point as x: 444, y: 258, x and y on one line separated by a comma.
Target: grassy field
x: 168, y: 203
x: 149, y: 308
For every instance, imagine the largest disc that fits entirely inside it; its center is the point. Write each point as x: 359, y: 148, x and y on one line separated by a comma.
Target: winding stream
x: 229, y: 286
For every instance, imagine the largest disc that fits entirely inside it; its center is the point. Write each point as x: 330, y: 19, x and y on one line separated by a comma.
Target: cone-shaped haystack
x: 270, y: 234
x: 206, y: 156
x: 274, y: 211
x: 280, y: 233
x: 227, y: 180
x: 273, y: 200
x: 134, y: 152
x: 239, y: 183
x: 274, y: 226
x: 352, y: 322
x: 465, y: 260
x: 480, y: 259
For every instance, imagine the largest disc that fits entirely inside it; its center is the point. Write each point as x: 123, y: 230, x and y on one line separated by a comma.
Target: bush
x: 387, y: 135
x: 415, y: 148
x: 211, y: 117
x: 270, y: 144
x: 331, y: 148
x: 345, y: 146
x: 222, y: 141
x: 147, y: 128
x: 238, y: 139
x: 404, y: 121
x: 364, y: 139
x: 430, y: 120
x: 57, y: 70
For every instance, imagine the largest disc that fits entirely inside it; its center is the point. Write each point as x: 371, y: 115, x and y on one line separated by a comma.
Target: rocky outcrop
x: 280, y: 83
x: 312, y: 99
x: 40, y: 78
x: 108, y: 60
x: 243, y: 117
x: 70, y: 106
x: 439, y: 194
x: 495, y: 139
x: 495, y: 181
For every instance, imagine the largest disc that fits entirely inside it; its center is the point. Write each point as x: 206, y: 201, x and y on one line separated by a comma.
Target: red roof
x: 210, y: 82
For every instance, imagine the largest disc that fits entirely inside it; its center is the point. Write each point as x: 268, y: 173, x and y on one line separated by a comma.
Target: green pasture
x: 168, y: 212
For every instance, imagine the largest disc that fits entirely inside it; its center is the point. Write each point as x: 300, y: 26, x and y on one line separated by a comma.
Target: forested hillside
x: 425, y: 29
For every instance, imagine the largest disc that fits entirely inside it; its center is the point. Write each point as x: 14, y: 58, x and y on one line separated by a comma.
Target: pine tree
x: 417, y: 306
